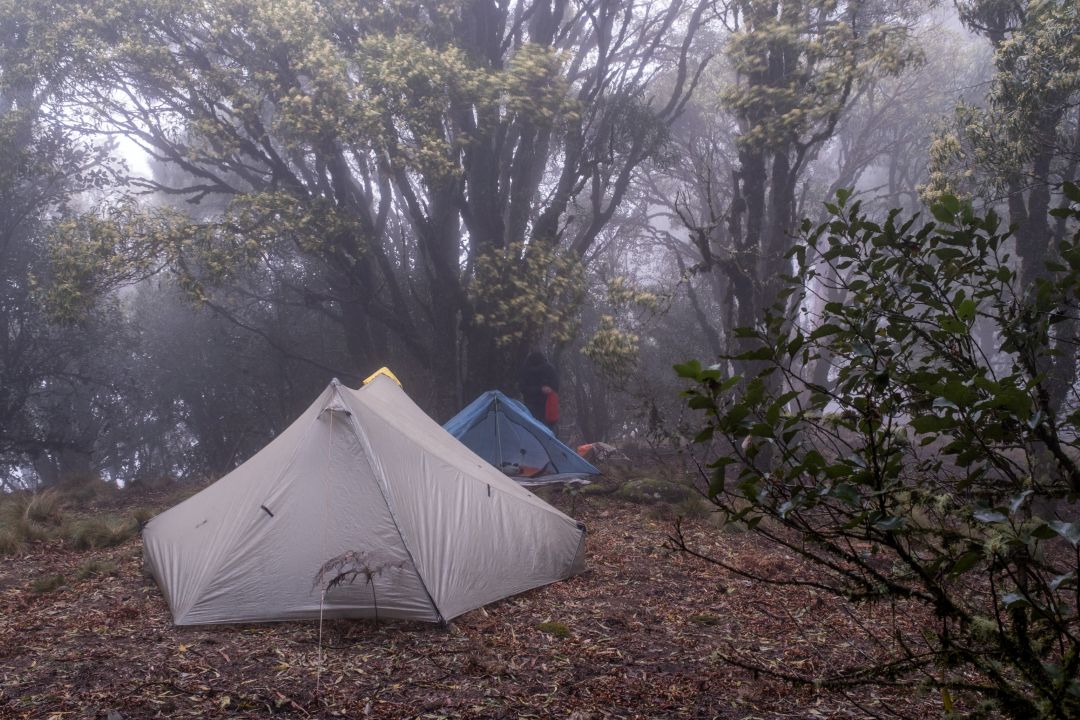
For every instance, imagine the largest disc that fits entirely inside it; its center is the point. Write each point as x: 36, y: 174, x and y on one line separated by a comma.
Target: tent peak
x: 382, y: 371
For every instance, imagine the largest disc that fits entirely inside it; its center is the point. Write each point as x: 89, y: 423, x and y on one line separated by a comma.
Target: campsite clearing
x: 640, y: 634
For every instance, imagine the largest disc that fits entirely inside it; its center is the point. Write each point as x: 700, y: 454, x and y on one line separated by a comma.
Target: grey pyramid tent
x: 503, y: 431
x: 364, y: 478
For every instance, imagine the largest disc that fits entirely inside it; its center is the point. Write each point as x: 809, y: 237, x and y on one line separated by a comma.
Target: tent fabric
x: 364, y: 475
x: 503, y: 431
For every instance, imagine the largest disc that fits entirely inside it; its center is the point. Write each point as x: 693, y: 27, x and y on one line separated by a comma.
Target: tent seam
x: 381, y: 483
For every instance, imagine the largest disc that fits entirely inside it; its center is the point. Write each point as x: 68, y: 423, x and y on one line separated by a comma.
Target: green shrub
x: 933, y: 467
x: 47, y: 584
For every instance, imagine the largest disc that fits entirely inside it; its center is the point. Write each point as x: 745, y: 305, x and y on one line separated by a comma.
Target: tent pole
x: 498, y: 434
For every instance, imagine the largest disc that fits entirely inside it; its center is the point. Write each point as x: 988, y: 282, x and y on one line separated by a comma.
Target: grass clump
x: 97, y: 568
x: 558, y: 629
x: 705, y: 619
x: 142, y: 515
x: 45, y: 508
x: 181, y: 491
x: 86, y: 490
x: 25, y: 517
x: 47, y: 584
x: 10, y: 542
x: 100, y: 532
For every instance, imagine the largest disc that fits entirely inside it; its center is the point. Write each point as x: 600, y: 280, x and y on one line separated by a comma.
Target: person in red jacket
x: 539, y: 386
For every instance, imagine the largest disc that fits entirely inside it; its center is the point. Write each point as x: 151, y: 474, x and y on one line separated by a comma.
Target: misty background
x: 207, y: 211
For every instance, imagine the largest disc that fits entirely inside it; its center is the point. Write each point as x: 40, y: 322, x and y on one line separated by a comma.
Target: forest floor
x: 642, y: 634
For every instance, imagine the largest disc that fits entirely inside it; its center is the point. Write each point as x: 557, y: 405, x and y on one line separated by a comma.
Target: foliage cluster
x: 614, y: 344
x: 522, y: 291
x: 823, y: 48
x: 1026, y: 126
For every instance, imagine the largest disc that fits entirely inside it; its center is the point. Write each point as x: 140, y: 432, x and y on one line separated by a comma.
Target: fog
x: 206, y: 215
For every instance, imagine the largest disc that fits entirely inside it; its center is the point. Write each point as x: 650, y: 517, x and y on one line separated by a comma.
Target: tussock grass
x: 45, y: 508
x: 100, y: 532
x: 32, y: 517
x: 142, y: 515
x: 10, y: 542
x: 47, y: 584
x: 181, y: 491
x: 97, y: 568
x: 85, y: 490
x: 25, y: 517
x: 705, y: 619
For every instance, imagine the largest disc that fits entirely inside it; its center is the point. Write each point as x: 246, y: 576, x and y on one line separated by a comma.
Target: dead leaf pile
x: 642, y: 634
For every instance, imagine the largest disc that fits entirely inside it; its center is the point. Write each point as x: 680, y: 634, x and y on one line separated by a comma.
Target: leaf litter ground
x: 642, y: 634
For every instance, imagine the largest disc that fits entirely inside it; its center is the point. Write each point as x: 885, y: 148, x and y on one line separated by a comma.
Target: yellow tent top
x: 382, y: 371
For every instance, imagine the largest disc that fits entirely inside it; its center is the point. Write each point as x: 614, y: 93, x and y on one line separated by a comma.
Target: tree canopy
x: 402, y: 151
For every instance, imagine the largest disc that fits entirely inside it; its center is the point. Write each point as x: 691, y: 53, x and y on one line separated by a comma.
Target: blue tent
x: 503, y: 431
